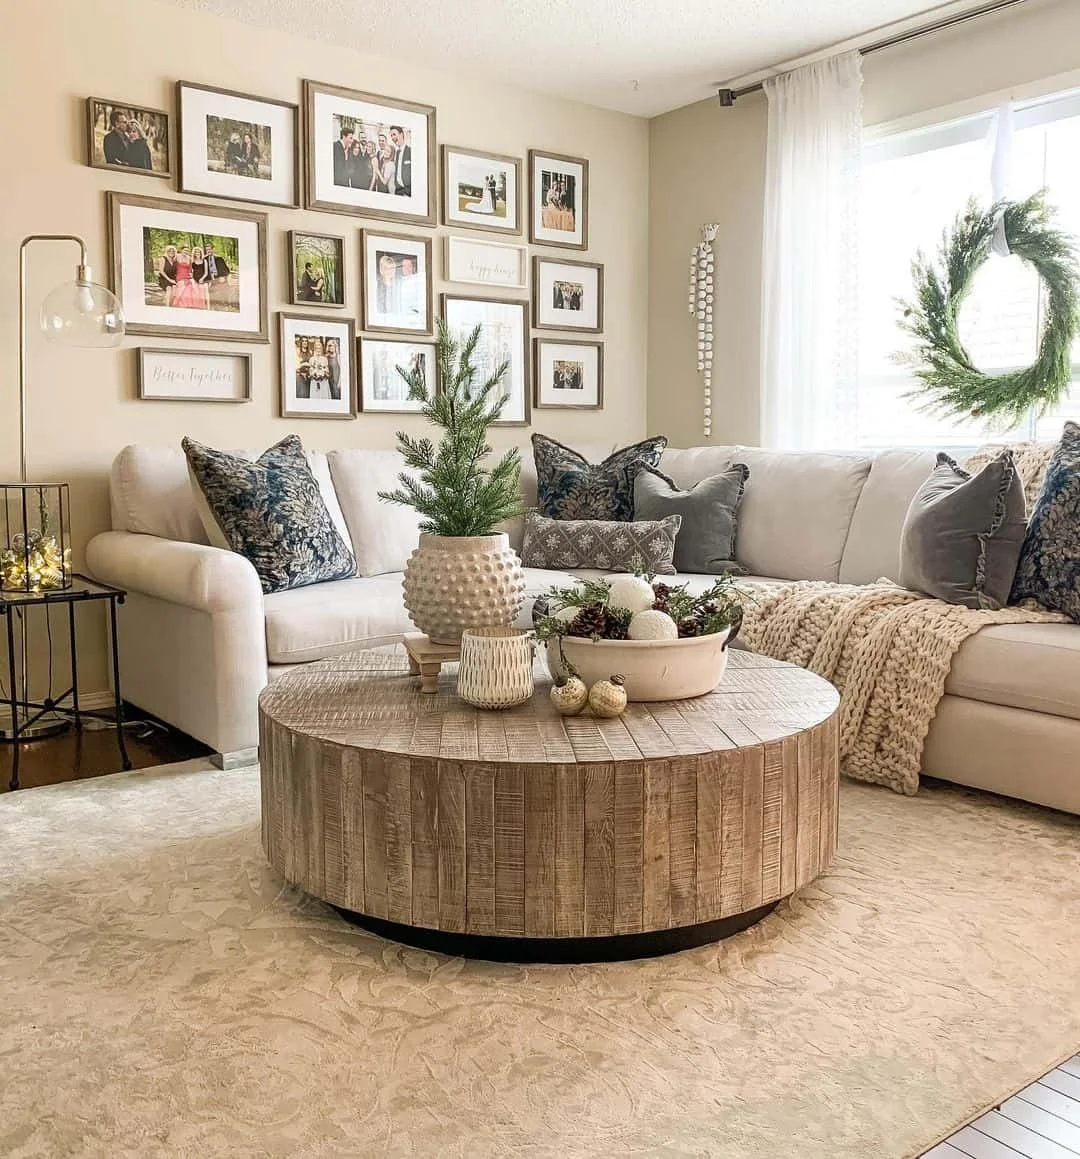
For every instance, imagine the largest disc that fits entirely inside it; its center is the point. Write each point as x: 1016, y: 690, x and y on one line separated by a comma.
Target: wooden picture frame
x: 472, y: 310
x: 163, y: 126
x: 548, y: 316
x: 192, y: 130
x: 295, y: 275
x: 454, y: 216
x: 544, y: 164
x: 147, y: 373
x: 337, y: 329
x: 379, y: 321
x: 544, y: 399
x: 474, y: 261
x: 369, y: 348
x: 325, y: 188
x: 131, y: 219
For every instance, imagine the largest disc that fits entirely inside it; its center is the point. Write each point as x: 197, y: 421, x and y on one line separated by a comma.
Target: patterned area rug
x: 162, y: 993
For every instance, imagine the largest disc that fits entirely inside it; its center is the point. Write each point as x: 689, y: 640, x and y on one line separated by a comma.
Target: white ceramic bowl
x: 651, y: 669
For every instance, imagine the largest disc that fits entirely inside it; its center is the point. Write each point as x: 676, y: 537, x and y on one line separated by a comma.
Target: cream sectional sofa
x: 199, y: 639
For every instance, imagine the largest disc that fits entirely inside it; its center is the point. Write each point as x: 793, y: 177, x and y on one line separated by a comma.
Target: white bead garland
x: 700, y: 306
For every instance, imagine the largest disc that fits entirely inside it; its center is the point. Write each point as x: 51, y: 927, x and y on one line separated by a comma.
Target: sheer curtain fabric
x: 810, y: 259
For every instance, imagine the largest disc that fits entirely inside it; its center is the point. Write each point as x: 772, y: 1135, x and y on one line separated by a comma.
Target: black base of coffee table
x: 618, y: 947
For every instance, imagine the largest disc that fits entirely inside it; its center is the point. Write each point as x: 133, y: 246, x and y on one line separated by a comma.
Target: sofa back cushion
x: 384, y: 535
x: 796, y: 512
x: 873, y: 544
x: 150, y: 493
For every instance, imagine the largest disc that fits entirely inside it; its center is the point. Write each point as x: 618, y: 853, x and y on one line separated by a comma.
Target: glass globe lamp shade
x: 82, y: 313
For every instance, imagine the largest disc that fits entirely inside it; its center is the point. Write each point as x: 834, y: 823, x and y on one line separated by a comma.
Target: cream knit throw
x: 887, y: 650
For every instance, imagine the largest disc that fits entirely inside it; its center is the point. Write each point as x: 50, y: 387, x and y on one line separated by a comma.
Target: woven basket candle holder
x: 496, y: 669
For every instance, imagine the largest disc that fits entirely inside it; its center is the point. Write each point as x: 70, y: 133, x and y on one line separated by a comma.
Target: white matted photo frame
x: 568, y: 295
x: 397, y: 282
x: 481, y: 190
x: 188, y: 270
x: 193, y: 375
x: 568, y: 375
x: 486, y: 263
x: 382, y: 388
x: 558, y: 200
x: 504, y: 337
x: 127, y: 138
x: 316, y: 269
x: 238, y: 146
x: 318, y: 372
x: 369, y: 155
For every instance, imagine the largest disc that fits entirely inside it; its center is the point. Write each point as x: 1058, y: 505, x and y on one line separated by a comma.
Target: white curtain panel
x: 810, y: 260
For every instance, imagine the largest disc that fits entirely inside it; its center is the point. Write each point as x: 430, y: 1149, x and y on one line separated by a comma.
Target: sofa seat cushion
x: 329, y: 619
x: 1032, y: 666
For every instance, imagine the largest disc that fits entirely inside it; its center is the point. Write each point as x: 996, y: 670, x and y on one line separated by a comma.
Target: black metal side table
x: 82, y: 591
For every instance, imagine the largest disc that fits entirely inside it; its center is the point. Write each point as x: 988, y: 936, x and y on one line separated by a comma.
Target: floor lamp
x: 76, y: 313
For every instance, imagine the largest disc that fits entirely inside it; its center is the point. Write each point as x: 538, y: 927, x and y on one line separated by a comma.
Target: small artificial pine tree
x: 453, y: 492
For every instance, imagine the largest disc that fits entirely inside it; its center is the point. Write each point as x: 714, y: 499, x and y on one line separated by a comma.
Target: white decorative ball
x: 631, y: 593
x: 652, y: 625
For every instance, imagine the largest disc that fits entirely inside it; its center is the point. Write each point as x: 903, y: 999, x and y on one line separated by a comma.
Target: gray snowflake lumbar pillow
x: 646, y: 545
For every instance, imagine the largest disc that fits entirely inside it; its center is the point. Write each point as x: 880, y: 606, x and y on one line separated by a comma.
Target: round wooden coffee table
x: 529, y: 836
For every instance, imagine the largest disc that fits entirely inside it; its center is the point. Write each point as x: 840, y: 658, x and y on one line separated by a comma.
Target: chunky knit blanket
x: 887, y: 650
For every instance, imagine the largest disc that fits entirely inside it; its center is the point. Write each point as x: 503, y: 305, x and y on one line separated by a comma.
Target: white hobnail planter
x: 496, y: 669
x: 651, y: 669
x: 452, y: 583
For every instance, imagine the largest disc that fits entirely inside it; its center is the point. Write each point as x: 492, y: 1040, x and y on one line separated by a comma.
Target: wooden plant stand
x: 426, y: 660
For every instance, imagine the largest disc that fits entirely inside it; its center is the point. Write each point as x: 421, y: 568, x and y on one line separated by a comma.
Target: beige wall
x: 57, y: 52
x: 708, y: 164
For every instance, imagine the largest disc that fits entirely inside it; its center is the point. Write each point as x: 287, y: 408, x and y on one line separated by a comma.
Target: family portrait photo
x: 238, y: 146
x: 568, y: 295
x: 397, y: 282
x: 190, y: 270
x: 569, y: 375
x: 480, y: 190
x: 318, y: 269
x: 558, y: 193
x: 128, y: 138
x: 382, y: 386
x: 369, y: 154
x: 503, y: 336
x: 316, y: 367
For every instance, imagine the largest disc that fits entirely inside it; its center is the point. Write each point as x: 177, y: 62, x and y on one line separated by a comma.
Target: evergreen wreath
x: 947, y: 372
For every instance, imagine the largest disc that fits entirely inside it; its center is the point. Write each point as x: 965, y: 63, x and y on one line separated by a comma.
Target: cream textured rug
x: 162, y: 994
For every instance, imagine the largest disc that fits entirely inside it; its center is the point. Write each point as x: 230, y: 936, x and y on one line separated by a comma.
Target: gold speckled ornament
x: 608, y: 697
x: 570, y: 696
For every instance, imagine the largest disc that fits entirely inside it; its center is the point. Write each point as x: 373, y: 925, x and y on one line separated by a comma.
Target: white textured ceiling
x: 637, y: 56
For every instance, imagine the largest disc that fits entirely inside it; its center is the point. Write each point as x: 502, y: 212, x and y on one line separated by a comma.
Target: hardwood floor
x: 75, y: 756
x: 1040, y: 1122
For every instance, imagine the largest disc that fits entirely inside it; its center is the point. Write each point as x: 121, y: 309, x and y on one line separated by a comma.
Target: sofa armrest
x: 193, y: 575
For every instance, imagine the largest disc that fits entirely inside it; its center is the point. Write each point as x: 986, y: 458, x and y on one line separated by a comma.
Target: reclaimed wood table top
x: 368, y: 700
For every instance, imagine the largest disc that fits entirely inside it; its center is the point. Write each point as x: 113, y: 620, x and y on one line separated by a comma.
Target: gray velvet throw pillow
x: 963, y: 533
x: 600, y: 544
x: 706, y: 541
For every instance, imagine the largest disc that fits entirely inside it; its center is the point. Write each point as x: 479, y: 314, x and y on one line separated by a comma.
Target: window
x: 914, y: 185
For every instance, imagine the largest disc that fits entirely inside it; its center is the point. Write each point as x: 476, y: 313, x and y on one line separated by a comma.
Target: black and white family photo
x: 238, y: 148
x: 377, y: 158
x: 567, y: 375
x: 123, y: 137
x: 317, y: 367
x: 567, y: 295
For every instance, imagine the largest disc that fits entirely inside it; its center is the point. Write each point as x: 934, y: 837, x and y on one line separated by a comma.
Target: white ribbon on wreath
x: 1001, y: 172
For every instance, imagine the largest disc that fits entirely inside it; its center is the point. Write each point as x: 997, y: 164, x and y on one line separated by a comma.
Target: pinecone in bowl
x: 590, y: 621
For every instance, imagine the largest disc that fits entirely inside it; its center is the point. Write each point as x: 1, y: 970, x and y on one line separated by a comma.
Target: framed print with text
x: 504, y: 331
x: 486, y: 263
x: 193, y: 375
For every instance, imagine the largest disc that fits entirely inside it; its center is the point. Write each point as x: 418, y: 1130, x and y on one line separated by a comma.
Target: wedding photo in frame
x: 481, y: 190
x: 187, y: 270
x: 504, y: 336
x: 318, y: 367
x: 316, y: 269
x: 369, y: 155
x: 568, y: 295
x: 396, y: 283
x: 558, y: 200
x: 382, y: 388
x: 237, y: 146
x: 127, y: 138
x: 568, y: 375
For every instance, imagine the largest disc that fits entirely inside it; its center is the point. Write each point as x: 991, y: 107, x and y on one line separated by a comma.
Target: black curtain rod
x: 728, y: 96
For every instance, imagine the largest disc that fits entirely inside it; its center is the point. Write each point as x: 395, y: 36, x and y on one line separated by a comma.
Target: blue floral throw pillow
x: 1049, y: 570
x: 570, y: 487
x: 271, y: 512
